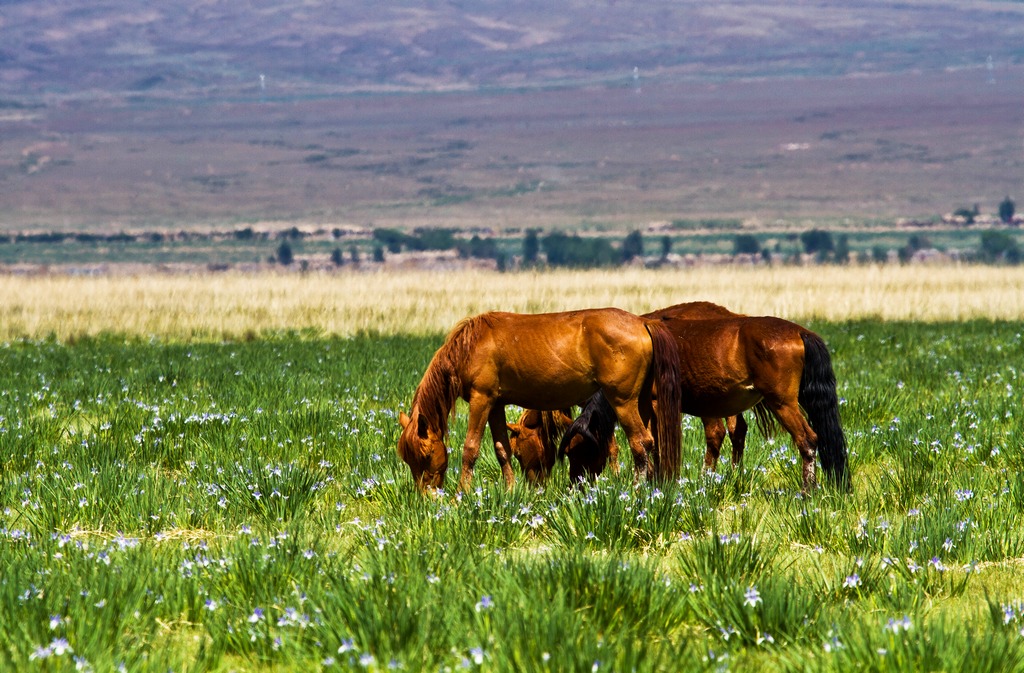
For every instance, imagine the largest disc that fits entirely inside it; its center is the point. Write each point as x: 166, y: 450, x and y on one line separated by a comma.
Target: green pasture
x: 239, y: 506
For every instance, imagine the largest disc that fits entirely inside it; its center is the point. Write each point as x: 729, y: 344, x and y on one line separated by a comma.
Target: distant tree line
x: 575, y: 251
x: 559, y: 249
x: 395, y: 240
x: 995, y: 247
x: 572, y: 250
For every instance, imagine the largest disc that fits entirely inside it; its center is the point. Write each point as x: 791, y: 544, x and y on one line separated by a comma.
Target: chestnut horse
x: 731, y: 364
x: 545, y: 361
x: 535, y: 437
x: 534, y: 441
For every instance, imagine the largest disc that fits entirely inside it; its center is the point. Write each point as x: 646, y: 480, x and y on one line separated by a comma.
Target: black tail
x: 665, y: 372
x: 820, y: 402
x: 595, y: 426
x: 765, y: 420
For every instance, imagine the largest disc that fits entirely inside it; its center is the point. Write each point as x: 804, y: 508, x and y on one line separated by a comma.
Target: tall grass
x: 415, y: 302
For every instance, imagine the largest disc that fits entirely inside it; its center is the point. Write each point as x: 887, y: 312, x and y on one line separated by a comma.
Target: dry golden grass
x: 235, y: 305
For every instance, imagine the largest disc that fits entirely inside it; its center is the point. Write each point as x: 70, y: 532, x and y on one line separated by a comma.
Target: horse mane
x: 554, y: 424
x: 441, y: 386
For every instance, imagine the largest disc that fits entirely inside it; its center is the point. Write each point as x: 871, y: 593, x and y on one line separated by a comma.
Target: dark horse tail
x: 819, y: 400
x: 668, y: 411
x: 595, y: 425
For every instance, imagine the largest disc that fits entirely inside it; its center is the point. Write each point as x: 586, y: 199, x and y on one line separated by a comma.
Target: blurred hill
x: 122, y: 113
x: 71, y: 47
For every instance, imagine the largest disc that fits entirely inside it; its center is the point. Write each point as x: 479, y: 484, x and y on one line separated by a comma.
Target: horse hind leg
x: 804, y: 438
x: 641, y: 443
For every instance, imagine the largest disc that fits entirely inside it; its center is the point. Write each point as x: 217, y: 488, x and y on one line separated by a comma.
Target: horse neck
x: 433, y: 400
x: 442, y: 383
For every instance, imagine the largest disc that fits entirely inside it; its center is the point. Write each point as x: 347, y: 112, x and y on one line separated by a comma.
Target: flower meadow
x: 223, y: 506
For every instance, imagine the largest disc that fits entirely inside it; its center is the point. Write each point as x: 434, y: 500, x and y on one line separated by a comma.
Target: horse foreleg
x: 499, y: 433
x: 804, y: 438
x: 479, y: 411
x: 612, y: 451
x: 714, y: 435
x: 737, y: 426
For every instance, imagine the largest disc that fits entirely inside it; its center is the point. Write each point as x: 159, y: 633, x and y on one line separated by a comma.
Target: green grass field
x: 239, y: 506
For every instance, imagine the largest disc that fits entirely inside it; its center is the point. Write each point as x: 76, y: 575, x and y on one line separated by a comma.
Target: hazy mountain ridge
x: 194, y: 113
x: 65, y: 47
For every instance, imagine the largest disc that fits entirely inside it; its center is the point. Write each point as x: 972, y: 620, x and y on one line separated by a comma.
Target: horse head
x: 422, y: 448
x: 527, y: 446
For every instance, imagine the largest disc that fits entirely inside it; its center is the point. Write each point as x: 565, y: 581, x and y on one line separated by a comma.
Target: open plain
x: 836, y: 152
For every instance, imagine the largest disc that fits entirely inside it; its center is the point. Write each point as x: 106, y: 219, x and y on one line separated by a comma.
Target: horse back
x: 554, y: 360
x: 728, y: 364
x: 692, y: 310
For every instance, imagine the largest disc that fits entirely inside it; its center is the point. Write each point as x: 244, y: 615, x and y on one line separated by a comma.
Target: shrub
x: 633, y: 246
x: 392, y: 239
x: 817, y: 241
x: 481, y: 248
x: 531, y: 247
x: 1006, y: 210
x: 435, y: 239
x: 575, y: 251
x: 842, y: 254
x: 967, y: 213
x: 999, y: 246
x: 745, y: 244
x: 285, y: 255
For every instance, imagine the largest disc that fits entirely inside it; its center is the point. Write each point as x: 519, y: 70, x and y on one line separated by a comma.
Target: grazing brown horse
x: 535, y: 445
x: 534, y: 441
x: 715, y: 429
x: 731, y: 364
x: 545, y: 361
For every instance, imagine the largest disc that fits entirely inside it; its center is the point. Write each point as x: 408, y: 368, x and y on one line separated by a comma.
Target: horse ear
x: 514, y: 429
x: 403, y: 419
x: 421, y: 426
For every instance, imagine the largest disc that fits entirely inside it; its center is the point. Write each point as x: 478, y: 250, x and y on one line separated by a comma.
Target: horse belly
x: 719, y: 404
x: 547, y: 395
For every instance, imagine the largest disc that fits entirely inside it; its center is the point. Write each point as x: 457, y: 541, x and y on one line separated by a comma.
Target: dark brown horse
x: 535, y: 438
x: 715, y: 429
x: 545, y: 361
x: 731, y: 364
